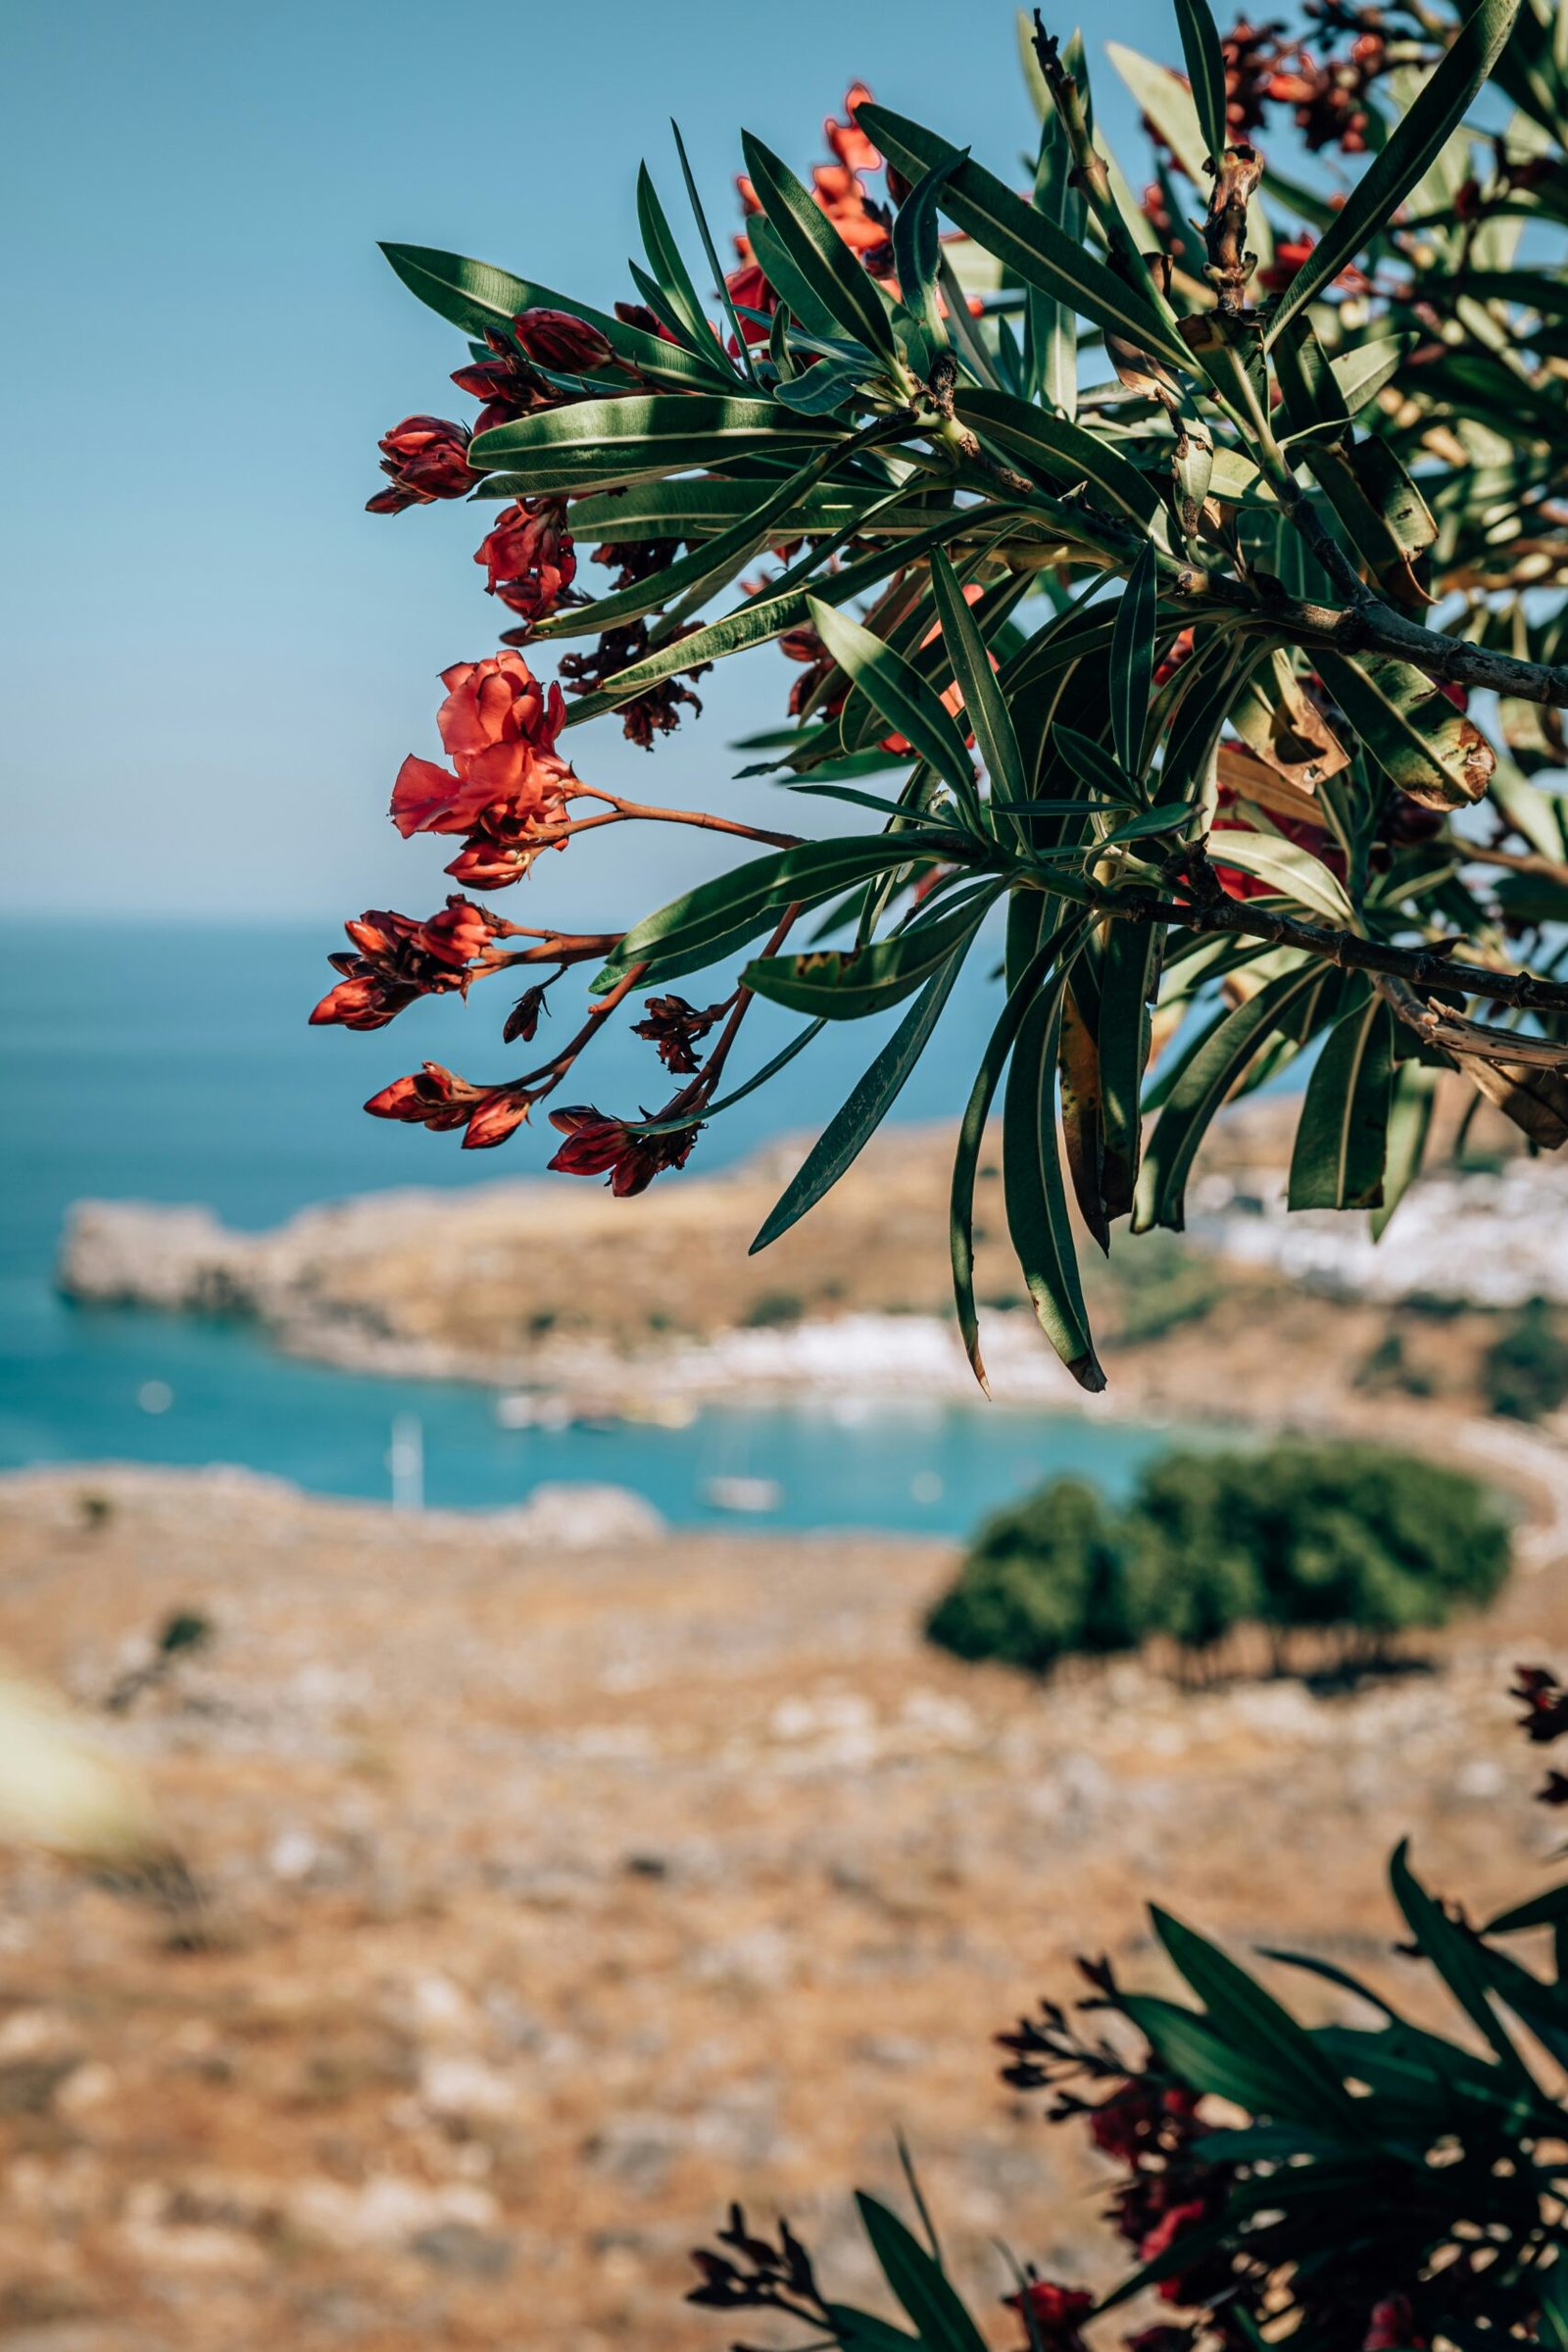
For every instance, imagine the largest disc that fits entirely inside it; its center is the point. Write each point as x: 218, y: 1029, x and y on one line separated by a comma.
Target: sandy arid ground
x: 545, y: 1900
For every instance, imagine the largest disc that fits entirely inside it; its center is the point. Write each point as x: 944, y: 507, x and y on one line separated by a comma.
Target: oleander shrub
x: 1166, y: 581
x: 1346, y: 2181
x: 1352, y: 1541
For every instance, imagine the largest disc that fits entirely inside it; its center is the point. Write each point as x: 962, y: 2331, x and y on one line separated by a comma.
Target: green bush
x: 1050, y: 1578
x: 1524, y: 1373
x: 1334, y: 1537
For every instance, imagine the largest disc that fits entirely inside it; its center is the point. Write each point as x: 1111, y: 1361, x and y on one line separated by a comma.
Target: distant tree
x: 1051, y: 1578
x: 1138, y: 562
x: 1524, y: 1374
x: 1349, y: 1539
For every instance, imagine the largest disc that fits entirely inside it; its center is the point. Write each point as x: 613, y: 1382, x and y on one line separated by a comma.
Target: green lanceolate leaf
x: 1410, y: 1107
x: 640, y: 437
x: 1165, y: 98
x: 1063, y: 944
x: 845, y: 289
x: 1342, y: 1136
x: 1217, y: 1061
x: 863, y: 2331
x: 1307, y: 2089
x: 711, y: 253
x: 796, y: 293
x: 1291, y: 871
x: 1205, y: 71
x: 1416, y: 143
x: 1411, y: 730
x: 1095, y: 764
x: 1449, y: 1950
x: 704, y: 924
x: 918, y: 255
x: 671, y: 271
x: 851, y: 1127
x: 478, y: 298
x: 984, y: 704
x: 1361, y: 373
x: 1036, y: 1197
x: 1035, y: 248
x: 1129, y: 979
x: 1062, y: 451
x: 919, y: 2282
x: 849, y: 985
x: 898, y: 692
x: 1132, y: 664
x: 702, y: 510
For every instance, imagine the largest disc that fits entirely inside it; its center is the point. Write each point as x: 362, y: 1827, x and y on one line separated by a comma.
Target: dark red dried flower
x: 675, y: 1027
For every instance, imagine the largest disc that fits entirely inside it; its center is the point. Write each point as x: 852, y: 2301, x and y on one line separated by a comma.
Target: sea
x: 173, y: 1062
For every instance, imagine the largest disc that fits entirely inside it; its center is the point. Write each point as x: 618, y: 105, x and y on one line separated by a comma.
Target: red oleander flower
x: 400, y: 958
x: 560, y: 340
x: 1393, y: 2328
x: 437, y: 1098
x: 426, y: 458
x: 847, y: 140
x: 864, y: 226
x: 529, y: 556
x: 1054, y: 2314
x: 749, y: 290
x: 1173, y: 2224
x: 499, y: 726
x: 597, y: 1146
x: 1290, y: 256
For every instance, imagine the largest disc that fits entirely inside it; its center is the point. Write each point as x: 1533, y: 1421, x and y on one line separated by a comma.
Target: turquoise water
x: 173, y: 1065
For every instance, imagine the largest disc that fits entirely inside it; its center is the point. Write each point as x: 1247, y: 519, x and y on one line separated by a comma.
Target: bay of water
x: 173, y: 1063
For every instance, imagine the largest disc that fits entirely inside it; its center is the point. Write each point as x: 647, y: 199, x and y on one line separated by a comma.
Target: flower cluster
x: 437, y: 1098
x: 1148, y: 2122
x: 426, y: 458
x: 398, y: 959
x: 508, y: 786
x: 1326, y: 96
x: 597, y: 1146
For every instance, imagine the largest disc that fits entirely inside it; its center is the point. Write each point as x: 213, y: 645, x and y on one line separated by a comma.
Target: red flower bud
x: 426, y: 458
x: 597, y: 1146
x: 558, y: 340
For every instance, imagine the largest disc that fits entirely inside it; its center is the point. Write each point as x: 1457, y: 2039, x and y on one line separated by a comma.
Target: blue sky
x: 213, y: 659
